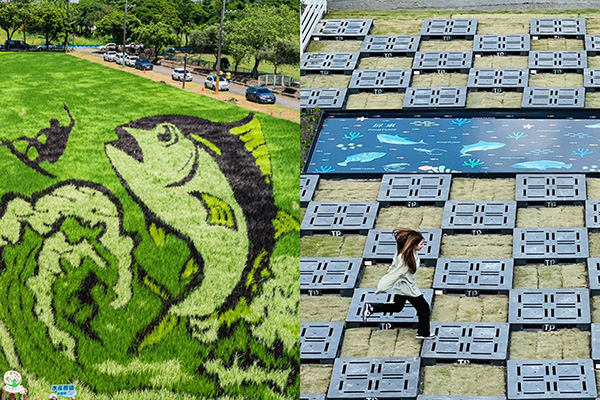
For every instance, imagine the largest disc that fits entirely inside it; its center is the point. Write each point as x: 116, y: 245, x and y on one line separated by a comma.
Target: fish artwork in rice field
x: 114, y: 305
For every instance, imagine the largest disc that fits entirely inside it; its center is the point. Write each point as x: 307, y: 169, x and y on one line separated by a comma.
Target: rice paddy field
x: 397, y: 22
x: 149, y: 237
x: 451, y: 377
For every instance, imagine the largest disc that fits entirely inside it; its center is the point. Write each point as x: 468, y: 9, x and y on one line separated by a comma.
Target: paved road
x: 199, y: 78
x: 479, y: 5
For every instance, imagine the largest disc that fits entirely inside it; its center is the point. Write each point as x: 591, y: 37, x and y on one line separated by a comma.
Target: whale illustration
x: 480, y: 146
x: 395, y: 139
x: 541, y: 165
x: 395, y: 167
x: 362, y: 157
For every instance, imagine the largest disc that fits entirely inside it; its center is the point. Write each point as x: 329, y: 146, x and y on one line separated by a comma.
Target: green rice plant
x: 494, y: 100
x: 315, y: 378
x: 385, y: 63
x: 407, y: 217
x: 556, y: 80
x: 325, y: 81
x: 464, y: 380
x: 334, y: 46
x: 559, y: 217
x: 133, y: 265
x: 324, y: 308
x: 482, y: 246
x: 330, y: 246
x: 454, y: 308
x: 557, y: 45
x: 439, y: 80
x: 500, y: 189
x: 561, y: 344
x: 347, y: 190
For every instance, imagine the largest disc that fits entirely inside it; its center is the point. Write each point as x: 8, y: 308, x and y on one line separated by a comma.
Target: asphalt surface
x: 458, y: 5
x: 199, y: 78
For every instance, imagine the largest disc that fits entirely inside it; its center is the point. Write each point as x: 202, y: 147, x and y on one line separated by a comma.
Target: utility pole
x: 68, y: 27
x: 125, y: 29
x: 220, y: 43
x: 184, y: 70
x: 218, y: 82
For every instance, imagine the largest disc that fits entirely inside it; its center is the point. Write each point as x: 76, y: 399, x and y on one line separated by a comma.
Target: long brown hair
x: 407, y: 240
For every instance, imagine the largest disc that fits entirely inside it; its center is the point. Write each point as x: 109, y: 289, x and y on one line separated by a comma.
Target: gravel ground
x: 480, y: 5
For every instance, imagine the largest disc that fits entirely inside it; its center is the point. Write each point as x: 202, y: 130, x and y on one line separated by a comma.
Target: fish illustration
x: 431, y: 152
x: 362, y: 157
x: 480, y: 146
x: 595, y: 126
x: 395, y: 139
x: 541, y: 165
x: 395, y: 167
x: 179, y: 169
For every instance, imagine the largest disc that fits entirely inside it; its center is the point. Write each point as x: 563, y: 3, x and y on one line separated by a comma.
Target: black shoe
x: 367, y: 312
x: 430, y: 336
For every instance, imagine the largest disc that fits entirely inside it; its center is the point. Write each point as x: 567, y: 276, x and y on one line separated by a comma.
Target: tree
x: 12, y: 17
x: 48, y: 21
x: 155, y: 36
x: 207, y: 40
x: 236, y: 48
x: 87, y: 14
x: 263, y: 25
x: 283, y: 51
x: 112, y: 25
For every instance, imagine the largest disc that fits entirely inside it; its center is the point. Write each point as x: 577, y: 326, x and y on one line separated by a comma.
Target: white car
x: 130, y: 60
x: 119, y: 58
x: 210, y: 81
x: 110, y: 56
x: 178, y: 73
x: 108, y: 46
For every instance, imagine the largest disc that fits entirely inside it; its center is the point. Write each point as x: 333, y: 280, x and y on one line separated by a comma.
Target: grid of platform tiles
x: 364, y: 78
x: 565, y: 243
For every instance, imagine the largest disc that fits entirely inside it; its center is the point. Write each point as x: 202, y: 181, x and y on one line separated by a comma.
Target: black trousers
x: 419, y: 303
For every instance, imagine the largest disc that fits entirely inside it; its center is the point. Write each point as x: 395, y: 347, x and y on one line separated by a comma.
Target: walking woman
x: 401, y: 278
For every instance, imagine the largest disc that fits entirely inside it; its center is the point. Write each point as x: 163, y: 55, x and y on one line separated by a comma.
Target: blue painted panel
x: 377, y: 145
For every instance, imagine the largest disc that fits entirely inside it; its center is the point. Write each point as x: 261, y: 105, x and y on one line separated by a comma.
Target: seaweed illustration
x: 353, y: 135
x: 324, y: 169
x: 517, y: 135
x: 582, y: 152
x: 472, y: 162
x: 460, y: 121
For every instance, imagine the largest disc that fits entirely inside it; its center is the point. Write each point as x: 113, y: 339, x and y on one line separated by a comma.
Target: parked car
x: 144, y: 64
x: 110, y: 56
x: 260, y: 94
x: 178, y: 73
x: 16, y: 44
x: 119, y: 58
x: 130, y: 60
x: 108, y: 47
x: 210, y: 81
x: 47, y: 46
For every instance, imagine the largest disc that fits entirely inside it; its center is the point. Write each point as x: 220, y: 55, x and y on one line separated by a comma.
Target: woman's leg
x: 423, y: 312
x: 396, y: 306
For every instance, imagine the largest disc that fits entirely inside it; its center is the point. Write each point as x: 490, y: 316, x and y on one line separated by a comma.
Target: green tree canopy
x: 112, y: 25
x: 155, y: 36
x: 49, y: 21
x: 12, y: 17
x: 264, y: 25
x: 207, y: 40
x: 283, y: 51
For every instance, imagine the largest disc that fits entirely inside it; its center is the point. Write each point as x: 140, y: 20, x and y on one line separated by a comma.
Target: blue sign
x: 58, y: 388
x: 379, y: 145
